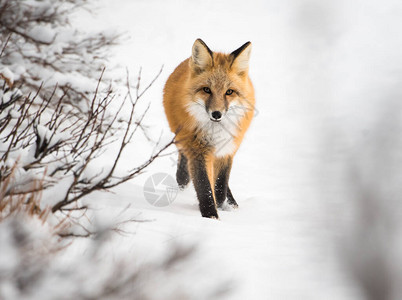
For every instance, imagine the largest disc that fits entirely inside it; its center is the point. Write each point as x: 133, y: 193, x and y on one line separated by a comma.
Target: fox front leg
x: 231, y: 201
x: 182, y: 175
x: 202, y: 185
x: 222, y: 170
x: 222, y: 190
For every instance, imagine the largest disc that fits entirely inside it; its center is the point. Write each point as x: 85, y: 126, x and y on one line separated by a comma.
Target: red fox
x: 209, y: 104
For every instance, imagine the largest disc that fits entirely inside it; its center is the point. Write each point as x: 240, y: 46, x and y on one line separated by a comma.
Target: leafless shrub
x: 40, y: 49
x: 35, y: 265
x: 20, y: 203
x: 57, y: 145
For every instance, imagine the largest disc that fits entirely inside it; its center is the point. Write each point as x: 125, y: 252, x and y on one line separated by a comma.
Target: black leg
x: 231, y: 201
x: 182, y: 175
x: 203, y: 188
x: 221, y: 185
x: 222, y: 190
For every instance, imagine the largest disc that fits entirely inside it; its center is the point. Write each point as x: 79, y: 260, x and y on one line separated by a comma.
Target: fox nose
x: 216, y: 115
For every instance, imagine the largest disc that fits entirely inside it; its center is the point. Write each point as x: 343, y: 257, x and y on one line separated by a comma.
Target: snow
x: 43, y: 34
x: 320, y: 70
x: 6, y: 97
x: 327, y: 78
x: 6, y: 73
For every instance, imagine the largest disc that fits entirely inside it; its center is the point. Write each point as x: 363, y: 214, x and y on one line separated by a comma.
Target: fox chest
x: 220, y: 136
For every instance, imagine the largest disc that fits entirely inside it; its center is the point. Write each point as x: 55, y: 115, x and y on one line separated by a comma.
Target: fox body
x: 209, y: 104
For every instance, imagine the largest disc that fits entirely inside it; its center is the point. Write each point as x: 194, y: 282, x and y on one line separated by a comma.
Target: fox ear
x: 202, y: 56
x: 241, y: 58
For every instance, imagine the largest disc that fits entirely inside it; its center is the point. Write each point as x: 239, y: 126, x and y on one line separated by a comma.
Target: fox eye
x: 206, y: 90
x: 229, y: 92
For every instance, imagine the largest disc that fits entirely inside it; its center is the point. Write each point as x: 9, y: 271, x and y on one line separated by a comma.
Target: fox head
x: 218, y: 82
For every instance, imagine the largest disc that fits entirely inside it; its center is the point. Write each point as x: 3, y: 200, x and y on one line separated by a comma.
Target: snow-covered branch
x: 36, y: 265
x: 41, y: 48
x: 59, y: 146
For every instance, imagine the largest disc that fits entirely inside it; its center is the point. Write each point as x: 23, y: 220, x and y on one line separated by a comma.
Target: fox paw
x: 182, y: 187
x: 228, y: 206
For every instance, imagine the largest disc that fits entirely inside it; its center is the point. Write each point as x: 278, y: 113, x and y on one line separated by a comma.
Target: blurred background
x: 318, y: 176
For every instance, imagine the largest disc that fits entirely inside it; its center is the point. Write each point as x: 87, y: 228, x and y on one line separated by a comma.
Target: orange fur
x: 188, y: 106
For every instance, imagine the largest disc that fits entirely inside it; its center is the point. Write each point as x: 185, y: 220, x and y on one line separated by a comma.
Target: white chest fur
x: 221, y: 134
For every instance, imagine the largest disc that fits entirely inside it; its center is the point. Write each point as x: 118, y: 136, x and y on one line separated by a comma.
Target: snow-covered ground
x: 325, y: 73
